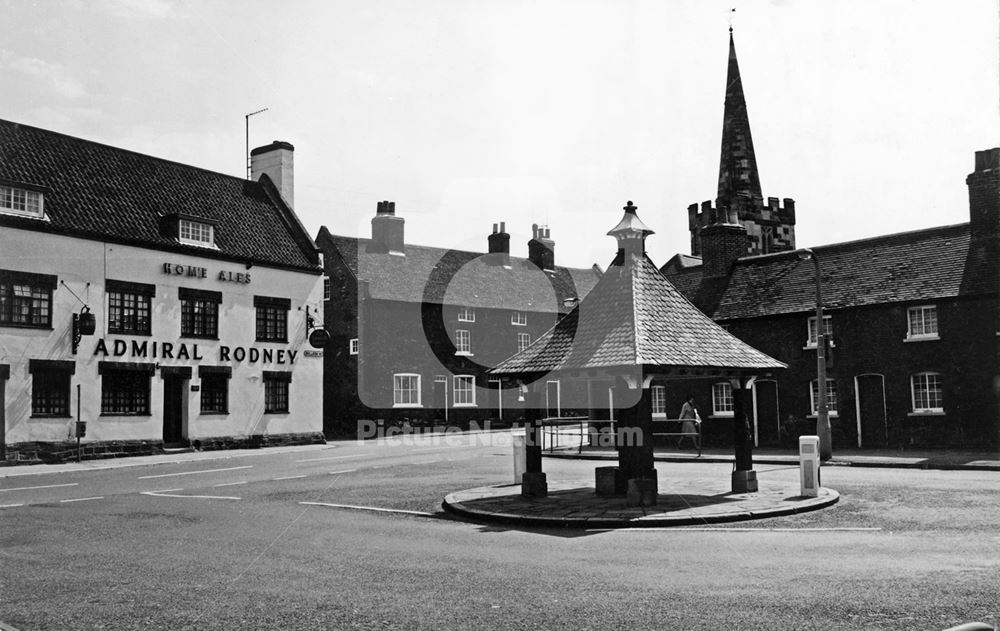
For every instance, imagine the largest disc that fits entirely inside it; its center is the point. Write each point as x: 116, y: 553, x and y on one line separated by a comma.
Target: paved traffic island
x: 574, y: 504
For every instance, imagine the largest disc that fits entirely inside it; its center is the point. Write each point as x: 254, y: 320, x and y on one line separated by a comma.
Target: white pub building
x: 147, y: 304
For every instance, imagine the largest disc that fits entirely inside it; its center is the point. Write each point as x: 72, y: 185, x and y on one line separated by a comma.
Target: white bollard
x: 809, y: 466
x: 520, y: 455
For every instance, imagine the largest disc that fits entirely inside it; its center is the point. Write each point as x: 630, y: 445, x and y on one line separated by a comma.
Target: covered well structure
x: 633, y: 327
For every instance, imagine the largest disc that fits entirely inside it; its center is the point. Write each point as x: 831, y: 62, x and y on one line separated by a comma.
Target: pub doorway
x: 173, y: 410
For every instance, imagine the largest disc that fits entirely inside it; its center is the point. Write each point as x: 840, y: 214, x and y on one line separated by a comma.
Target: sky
x: 556, y: 112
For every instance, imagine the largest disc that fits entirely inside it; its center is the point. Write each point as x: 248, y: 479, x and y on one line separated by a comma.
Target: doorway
x: 553, y: 408
x: 766, y: 412
x: 173, y: 411
x: 873, y: 430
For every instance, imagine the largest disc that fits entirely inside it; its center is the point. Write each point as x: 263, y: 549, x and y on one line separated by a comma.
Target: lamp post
x: 822, y: 411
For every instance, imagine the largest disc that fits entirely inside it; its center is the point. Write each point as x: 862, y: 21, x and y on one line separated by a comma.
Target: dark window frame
x: 276, y: 392
x: 271, y: 318
x: 125, y: 388
x: 35, y: 308
x: 199, y: 313
x: 130, y: 307
x: 214, y: 394
x: 50, y: 387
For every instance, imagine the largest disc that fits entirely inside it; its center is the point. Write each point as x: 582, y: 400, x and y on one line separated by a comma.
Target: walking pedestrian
x: 690, y: 422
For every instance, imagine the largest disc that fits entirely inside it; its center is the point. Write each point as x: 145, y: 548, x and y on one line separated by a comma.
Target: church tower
x: 770, y: 226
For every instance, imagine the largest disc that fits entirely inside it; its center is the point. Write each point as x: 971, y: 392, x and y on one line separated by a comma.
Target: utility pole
x: 822, y: 412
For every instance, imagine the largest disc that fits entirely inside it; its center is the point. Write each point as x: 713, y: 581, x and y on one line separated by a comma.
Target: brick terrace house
x: 912, y: 317
x: 159, y: 303
x: 414, y: 328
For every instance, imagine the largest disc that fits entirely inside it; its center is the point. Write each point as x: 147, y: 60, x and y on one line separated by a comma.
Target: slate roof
x: 100, y: 192
x: 458, y: 277
x: 922, y: 265
x: 635, y: 317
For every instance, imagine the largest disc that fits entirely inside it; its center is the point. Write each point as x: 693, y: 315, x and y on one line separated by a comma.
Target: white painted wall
x: 83, y: 266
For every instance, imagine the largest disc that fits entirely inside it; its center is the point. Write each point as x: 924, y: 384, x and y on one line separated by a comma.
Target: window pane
x: 722, y: 398
x: 275, y: 395
x: 25, y: 304
x: 464, y: 390
x: 831, y: 395
x: 659, y: 402
x: 272, y: 323
x: 406, y: 390
x: 214, y: 394
x: 124, y: 392
x: 50, y: 393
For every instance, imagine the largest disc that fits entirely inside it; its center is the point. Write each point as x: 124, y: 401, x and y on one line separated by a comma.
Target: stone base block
x: 641, y: 492
x: 534, y: 484
x: 609, y: 481
x: 745, y: 481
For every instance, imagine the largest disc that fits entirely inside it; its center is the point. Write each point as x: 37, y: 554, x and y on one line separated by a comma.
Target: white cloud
x: 139, y: 8
x: 57, y: 76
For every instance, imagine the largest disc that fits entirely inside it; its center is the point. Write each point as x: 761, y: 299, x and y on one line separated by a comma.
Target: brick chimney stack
x: 276, y: 160
x: 541, y: 248
x: 722, y: 242
x: 387, y: 230
x: 499, y: 245
x: 984, y: 194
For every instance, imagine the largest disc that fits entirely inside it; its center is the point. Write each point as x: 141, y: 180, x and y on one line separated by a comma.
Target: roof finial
x: 731, y: 12
x: 630, y: 208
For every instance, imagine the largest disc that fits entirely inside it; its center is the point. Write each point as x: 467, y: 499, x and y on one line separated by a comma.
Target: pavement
x: 701, y: 501
x: 948, y: 459
x: 573, y: 504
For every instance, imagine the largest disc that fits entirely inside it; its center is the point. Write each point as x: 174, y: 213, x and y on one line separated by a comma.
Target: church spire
x: 738, y: 176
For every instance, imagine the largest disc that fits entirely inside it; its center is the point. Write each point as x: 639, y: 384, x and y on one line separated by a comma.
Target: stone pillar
x: 635, y: 450
x: 4, y: 376
x: 533, y: 482
x: 744, y: 477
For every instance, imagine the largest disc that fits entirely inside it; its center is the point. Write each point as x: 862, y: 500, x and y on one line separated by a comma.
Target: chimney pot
x: 499, y: 246
x: 541, y: 250
x: 387, y: 230
x: 503, y: 226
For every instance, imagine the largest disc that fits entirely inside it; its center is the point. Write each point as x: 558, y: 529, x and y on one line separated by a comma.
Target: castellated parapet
x: 770, y: 227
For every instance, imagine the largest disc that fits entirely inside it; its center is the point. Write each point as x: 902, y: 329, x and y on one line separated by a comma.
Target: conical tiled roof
x: 635, y: 317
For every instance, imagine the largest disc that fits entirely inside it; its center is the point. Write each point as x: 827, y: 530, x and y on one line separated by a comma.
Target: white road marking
x: 374, y: 509
x: 290, y: 477
x: 47, y: 486
x: 10, y: 505
x: 720, y: 529
x: 168, y: 475
x: 198, y: 497
x: 330, y: 458
x: 81, y: 499
x: 230, y: 483
x: 343, y: 471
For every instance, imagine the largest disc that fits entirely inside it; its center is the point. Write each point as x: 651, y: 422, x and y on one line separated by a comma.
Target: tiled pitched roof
x: 635, y: 317
x: 913, y: 266
x: 457, y: 277
x: 100, y: 192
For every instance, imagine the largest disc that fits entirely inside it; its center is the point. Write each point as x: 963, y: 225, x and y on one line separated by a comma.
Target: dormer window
x: 193, y: 232
x: 19, y: 201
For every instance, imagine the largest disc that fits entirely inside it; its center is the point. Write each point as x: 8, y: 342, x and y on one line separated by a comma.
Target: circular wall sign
x: 319, y: 338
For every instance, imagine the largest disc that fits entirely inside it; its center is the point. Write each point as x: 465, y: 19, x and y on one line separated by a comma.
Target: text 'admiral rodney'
x: 169, y: 350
